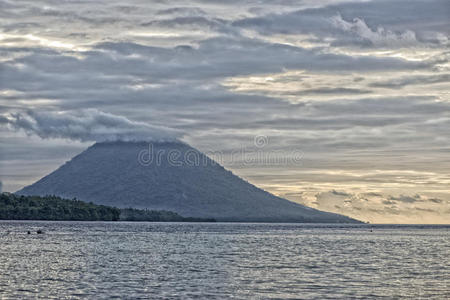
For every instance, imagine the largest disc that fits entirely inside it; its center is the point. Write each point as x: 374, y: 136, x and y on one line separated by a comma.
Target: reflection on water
x: 191, y: 260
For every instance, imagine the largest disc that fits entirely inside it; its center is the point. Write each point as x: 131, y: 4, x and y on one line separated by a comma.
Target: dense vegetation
x: 14, y: 207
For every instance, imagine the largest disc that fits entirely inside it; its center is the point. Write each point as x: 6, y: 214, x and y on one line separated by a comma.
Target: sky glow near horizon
x: 361, y: 88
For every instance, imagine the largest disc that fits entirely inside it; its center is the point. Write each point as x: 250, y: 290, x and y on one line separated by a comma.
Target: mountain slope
x: 168, y: 176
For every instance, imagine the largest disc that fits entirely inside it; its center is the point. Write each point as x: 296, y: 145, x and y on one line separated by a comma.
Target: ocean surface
x: 103, y: 260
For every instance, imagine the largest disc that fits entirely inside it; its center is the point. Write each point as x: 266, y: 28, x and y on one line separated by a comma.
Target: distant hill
x: 171, y: 176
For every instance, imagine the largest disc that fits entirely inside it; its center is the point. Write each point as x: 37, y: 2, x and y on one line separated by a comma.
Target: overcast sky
x: 360, y: 89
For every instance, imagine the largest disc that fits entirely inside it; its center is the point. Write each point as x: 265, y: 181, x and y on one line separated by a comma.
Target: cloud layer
x: 378, y: 207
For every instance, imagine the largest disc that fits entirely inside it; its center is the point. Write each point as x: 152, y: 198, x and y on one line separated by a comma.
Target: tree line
x: 53, y: 208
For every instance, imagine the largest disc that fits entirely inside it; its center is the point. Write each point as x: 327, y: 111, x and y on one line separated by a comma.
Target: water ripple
x: 214, y: 261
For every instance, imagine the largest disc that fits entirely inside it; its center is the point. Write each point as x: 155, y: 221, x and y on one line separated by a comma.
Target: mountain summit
x: 169, y: 176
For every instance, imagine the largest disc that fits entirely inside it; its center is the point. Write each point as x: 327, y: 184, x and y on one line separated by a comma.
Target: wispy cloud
x: 380, y: 37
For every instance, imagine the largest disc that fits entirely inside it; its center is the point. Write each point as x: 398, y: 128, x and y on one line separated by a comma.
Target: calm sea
x: 102, y: 260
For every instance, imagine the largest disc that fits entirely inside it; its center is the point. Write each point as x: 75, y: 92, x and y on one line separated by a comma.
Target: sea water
x: 125, y: 260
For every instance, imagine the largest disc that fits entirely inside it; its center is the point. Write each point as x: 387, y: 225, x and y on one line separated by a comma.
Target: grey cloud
x: 386, y: 106
x: 87, y: 125
x: 372, y: 194
x: 326, y: 123
x: 334, y: 192
x: 68, y: 15
x: 364, y: 207
x: 389, y: 202
x: 423, y: 18
x: 329, y: 91
x: 215, y: 58
x: 330, y: 125
x: 379, y: 37
x: 186, y: 76
x: 413, y: 80
x: 184, y: 11
x: 406, y: 199
x: 20, y: 26
x: 224, y: 57
x: 436, y: 200
x: 201, y: 22
x: 4, y: 120
x: 426, y: 209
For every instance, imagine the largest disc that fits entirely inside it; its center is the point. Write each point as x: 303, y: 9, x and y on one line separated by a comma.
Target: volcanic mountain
x: 169, y: 176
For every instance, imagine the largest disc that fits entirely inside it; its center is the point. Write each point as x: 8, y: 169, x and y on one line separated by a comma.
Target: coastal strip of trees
x: 53, y: 208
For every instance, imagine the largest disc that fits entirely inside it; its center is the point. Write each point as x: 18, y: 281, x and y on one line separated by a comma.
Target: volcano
x: 169, y: 176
